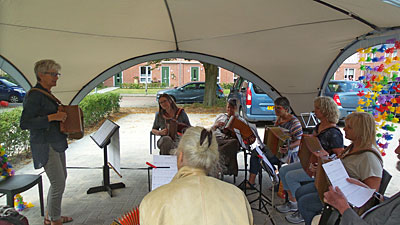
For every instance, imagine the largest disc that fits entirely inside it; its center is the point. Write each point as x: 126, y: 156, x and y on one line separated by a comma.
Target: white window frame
x: 219, y: 73
x: 148, y: 74
x: 346, y: 73
x: 191, y: 75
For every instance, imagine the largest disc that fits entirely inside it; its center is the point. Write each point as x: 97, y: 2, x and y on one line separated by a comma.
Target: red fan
x: 130, y: 218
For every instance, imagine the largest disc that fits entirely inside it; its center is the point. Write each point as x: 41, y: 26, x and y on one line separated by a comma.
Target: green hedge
x: 226, y: 85
x: 142, y: 85
x: 95, y: 107
x: 14, y: 140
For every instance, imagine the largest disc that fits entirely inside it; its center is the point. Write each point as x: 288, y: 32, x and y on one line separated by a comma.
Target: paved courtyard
x: 100, y: 208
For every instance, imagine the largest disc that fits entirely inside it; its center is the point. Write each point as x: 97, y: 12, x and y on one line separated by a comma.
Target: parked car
x: 11, y: 92
x: 254, y: 104
x: 344, y: 93
x: 190, y: 92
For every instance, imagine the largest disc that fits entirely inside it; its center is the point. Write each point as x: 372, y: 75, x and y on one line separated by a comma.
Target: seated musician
x: 365, y: 166
x: 228, y: 145
x: 193, y: 197
x: 386, y: 213
x: 331, y: 139
x: 169, y: 114
x: 286, y: 121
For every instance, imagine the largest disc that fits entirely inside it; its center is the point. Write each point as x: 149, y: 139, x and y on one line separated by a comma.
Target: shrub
x: 14, y: 140
x: 95, y: 107
x: 226, y: 85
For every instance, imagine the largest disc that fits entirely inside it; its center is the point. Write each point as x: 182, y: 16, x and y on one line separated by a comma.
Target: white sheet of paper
x: 337, y: 174
x: 161, y: 176
x: 265, y: 159
x: 240, y: 139
x: 113, y: 152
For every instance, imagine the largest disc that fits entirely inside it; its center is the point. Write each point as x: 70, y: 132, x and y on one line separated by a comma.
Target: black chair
x: 153, y: 142
x: 386, y: 177
x: 19, y: 183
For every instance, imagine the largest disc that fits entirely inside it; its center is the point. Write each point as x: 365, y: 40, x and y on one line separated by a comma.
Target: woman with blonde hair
x: 361, y: 159
x: 192, y: 196
x: 331, y: 139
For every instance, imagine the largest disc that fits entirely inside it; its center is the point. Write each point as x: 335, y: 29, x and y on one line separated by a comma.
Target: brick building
x: 350, y: 68
x: 179, y: 71
x: 172, y: 73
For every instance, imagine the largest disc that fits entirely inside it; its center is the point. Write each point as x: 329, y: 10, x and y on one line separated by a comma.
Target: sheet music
x: 259, y: 143
x: 337, y: 174
x: 265, y: 159
x: 240, y: 139
x: 161, y: 176
x: 103, y: 133
x: 113, y: 152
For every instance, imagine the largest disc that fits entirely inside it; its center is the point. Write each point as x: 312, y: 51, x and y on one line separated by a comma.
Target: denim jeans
x: 308, y: 202
x: 292, y: 176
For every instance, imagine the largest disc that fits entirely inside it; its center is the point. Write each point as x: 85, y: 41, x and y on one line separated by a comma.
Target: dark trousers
x: 166, y: 144
x: 255, y: 160
x: 228, y: 149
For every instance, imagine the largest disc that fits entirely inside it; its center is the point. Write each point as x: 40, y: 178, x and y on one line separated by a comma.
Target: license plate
x: 271, y: 107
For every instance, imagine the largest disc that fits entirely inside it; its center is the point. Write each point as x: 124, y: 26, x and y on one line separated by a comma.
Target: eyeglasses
x: 54, y: 74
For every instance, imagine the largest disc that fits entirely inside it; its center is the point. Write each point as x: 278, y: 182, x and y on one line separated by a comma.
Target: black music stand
x: 263, y: 200
x: 102, y: 138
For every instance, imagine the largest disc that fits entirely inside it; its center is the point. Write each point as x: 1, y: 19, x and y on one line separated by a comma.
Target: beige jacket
x: 192, y: 198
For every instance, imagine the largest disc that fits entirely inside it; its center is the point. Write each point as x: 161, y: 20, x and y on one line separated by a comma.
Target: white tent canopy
x: 288, y: 47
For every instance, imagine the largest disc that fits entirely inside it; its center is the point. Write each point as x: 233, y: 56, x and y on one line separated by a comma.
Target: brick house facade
x: 350, y: 68
x: 179, y: 71
x: 170, y: 73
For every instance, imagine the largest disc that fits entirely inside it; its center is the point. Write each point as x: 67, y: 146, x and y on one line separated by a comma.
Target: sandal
x: 46, y: 221
x: 64, y: 219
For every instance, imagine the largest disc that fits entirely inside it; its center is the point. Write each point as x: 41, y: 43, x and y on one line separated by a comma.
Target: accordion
x: 245, y: 130
x: 308, y: 152
x: 73, y: 125
x: 274, y: 138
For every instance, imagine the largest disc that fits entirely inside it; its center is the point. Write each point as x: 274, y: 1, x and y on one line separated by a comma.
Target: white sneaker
x: 287, y: 207
x: 294, y: 218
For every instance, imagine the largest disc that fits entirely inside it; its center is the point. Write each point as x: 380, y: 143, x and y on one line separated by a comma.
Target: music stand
x: 263, y: 200
x: 102, y: 138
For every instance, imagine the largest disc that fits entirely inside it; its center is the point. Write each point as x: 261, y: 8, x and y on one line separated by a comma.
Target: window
x: 190, y: 87
x: 369, y: 57
x: 348, y: 74
x: 145, y: 73
x: 195, y: 74
x: 219, y: 73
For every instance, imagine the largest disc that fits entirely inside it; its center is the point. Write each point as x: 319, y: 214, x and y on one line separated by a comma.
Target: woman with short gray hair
x: 192, y: 196
x: 48, y: 145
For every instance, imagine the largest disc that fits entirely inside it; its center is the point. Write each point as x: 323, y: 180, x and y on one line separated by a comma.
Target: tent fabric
x: 286, y: 46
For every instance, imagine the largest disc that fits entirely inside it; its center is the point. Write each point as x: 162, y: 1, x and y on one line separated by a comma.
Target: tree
x: 210, y: 98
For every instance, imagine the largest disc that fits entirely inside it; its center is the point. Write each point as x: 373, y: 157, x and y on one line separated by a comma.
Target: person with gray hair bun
x: 192, y: 197
x: 48, y: 145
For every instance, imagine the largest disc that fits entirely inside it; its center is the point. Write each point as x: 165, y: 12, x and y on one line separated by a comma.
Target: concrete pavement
x: 100, y: 208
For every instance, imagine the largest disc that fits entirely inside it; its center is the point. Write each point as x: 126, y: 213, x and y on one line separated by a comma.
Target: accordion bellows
x: 129, y: 218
